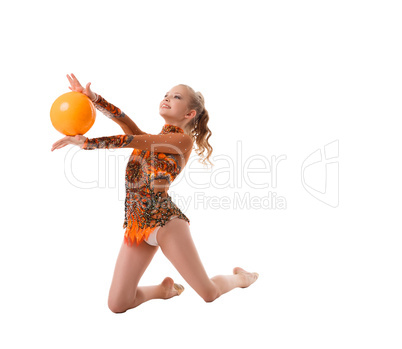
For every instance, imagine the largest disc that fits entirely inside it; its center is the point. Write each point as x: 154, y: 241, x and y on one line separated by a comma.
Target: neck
x: 176, y: 123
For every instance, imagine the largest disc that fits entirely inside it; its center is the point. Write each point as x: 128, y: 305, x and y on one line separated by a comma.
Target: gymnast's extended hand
x: 75, y: 140
x: 77, y: 87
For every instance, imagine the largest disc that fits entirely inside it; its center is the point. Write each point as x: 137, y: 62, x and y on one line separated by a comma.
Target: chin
x: 162, y: 112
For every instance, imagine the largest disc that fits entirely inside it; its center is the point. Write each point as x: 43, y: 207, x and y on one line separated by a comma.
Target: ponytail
x: 198, y: 128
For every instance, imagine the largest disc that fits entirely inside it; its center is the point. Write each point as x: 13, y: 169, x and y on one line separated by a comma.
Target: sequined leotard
x: 152, y: 167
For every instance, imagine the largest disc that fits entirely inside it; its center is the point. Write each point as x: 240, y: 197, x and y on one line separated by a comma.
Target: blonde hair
x: 197, y: 127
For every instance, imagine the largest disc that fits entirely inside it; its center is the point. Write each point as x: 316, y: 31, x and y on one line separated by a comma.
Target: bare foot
x: 170, y: 289
x: 247, y: 278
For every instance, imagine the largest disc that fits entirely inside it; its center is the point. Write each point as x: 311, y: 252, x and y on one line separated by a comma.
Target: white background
x: 282, y: 78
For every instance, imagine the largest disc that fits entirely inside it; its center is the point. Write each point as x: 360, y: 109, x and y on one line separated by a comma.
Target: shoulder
x: 185, y: 137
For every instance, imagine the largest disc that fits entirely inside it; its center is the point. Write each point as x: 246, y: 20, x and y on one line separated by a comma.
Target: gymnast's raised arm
x: 111, y: 111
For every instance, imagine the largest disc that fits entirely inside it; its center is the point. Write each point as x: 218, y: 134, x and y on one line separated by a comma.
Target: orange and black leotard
x: 153, y: 165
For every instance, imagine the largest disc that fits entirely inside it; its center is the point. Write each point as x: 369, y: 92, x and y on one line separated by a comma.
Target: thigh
x: 176, y: 243
x: 131, y: 264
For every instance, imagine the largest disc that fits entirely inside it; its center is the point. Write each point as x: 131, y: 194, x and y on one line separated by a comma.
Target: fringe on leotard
x: 144, y: 213
x: 135, y: 234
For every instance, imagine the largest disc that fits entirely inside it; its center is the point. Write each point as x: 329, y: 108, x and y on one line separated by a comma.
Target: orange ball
x: 72, y: 114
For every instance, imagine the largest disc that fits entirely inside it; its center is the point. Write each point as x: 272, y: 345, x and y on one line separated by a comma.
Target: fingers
x: 59, y: 146
x: 56, y: 145
x: 61, y: 143
x: 75, y: 79
x: 75, y: 84
x: 74, y: 140
x: 72, y: 83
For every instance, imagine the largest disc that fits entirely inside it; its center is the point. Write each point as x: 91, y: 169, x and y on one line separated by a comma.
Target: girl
x: 155, y: 162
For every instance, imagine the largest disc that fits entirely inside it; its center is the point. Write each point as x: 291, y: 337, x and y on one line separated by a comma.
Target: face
x: 174, y: 106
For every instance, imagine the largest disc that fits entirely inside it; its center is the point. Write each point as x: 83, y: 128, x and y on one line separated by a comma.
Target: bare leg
x: 178, y: 246
x: 130, y: 266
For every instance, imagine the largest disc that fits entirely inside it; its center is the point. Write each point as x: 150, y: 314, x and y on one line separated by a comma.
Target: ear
x: 191, y: 114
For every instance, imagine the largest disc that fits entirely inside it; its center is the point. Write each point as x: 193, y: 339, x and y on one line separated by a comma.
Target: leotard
x: 153, y: 165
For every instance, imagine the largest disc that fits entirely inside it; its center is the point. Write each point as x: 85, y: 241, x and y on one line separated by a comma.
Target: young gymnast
x: 150, y: 213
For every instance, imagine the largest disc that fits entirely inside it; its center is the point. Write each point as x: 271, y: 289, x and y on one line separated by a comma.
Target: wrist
x: 95, y: 97
x: 83, y: 143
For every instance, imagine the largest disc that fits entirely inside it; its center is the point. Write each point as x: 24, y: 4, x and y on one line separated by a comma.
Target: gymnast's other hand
x: 77, y: 87
x: 75, y: 140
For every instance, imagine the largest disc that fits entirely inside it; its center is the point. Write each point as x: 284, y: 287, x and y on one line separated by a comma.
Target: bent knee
x: 209, y: 299
x: 120, y: 302
x: 117, y: 306
x: 210, y: 295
